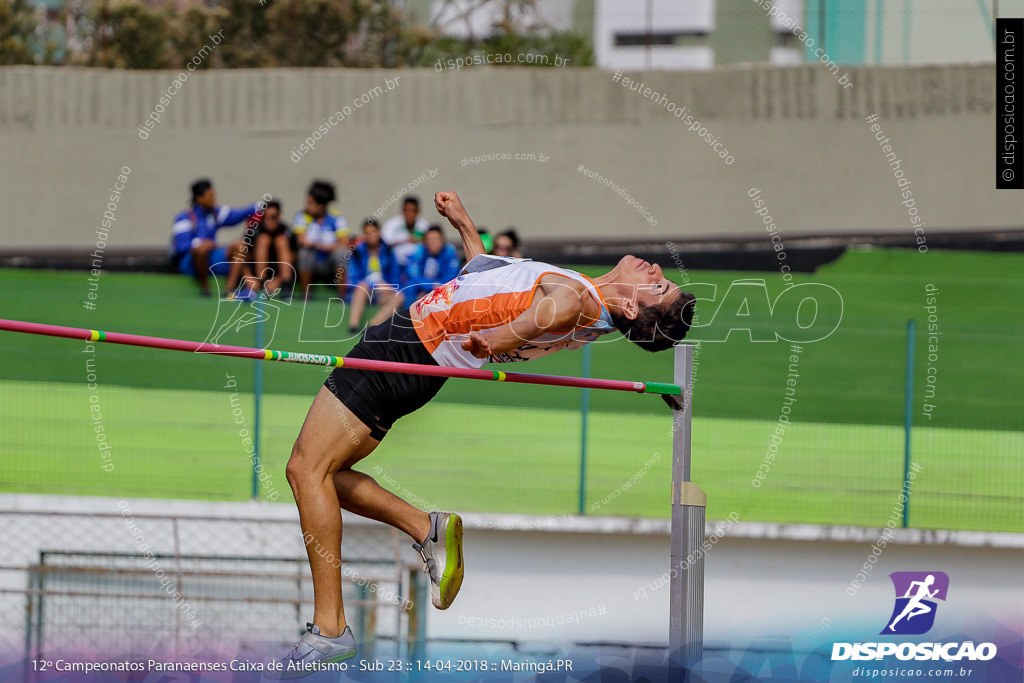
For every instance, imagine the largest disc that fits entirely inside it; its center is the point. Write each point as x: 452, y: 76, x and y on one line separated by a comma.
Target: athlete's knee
x: 301, y: 466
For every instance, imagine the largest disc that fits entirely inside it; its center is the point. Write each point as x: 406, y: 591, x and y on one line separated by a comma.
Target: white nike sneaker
x: 441, y: 551
x: 314, y: 652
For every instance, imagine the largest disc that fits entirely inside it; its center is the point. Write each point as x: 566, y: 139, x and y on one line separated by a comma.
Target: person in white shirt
x: 403, y: 231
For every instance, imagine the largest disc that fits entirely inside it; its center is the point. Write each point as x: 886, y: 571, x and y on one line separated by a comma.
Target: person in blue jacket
x: 432, y: 263
x: 374, y: 277
x: 194, y: 249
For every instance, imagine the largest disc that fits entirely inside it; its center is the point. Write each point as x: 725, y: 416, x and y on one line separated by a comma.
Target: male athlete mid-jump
x: 498, y: 309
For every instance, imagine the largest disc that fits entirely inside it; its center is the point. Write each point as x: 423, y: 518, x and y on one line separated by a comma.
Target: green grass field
x: 507, y: 448
x: 457, y: 456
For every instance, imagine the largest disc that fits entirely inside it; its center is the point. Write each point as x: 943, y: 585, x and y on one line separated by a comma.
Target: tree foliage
x: 125, y: 34
x: 17, y: 31
x: 155, y: 34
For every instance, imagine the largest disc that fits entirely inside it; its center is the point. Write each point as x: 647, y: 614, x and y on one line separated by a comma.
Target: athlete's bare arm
x: 558, y: 303
x: 450, y: 206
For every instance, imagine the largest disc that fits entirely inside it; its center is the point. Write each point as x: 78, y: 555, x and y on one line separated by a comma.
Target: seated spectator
x: 431, y: 264
x: 241, y: 284
x: 323, y: 238
x: 507, y: 244
x: 194, y: 249
x: 373, y: 274
x: 402, y: 232
x: 274, y: 252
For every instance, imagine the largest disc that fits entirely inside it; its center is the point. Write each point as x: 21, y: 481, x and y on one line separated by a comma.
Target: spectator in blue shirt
x: 374, y: 275
x: 194, y: 247
x: 323, y: 238
x: 431, y: 264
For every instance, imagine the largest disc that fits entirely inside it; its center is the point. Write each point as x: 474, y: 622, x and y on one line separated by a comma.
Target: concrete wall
x: 588, y: 579
x: 793, y: 132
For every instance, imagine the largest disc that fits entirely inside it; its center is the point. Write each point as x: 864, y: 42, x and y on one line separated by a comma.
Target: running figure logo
x: 916, y: 593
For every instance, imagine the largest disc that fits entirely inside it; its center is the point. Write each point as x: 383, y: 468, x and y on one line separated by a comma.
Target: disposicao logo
x: 916, y: 593
x: 913, y: 615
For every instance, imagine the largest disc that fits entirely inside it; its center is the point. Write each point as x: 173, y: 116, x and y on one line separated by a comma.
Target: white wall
x: 562, y: 579
x: 794, y: 133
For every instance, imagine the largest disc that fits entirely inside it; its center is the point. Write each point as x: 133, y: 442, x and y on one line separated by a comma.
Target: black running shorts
x: 379, y: 398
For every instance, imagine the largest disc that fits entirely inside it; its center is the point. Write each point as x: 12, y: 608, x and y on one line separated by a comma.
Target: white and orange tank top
x: 491, y: 291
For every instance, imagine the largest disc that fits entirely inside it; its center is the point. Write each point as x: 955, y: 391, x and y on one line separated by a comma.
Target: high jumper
x: 498, y: 309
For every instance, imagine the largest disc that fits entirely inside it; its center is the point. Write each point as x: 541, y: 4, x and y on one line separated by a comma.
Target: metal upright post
x: 257, y: 394
x: 584, y: 414
x: 908, y: 417
x: 686, y: 587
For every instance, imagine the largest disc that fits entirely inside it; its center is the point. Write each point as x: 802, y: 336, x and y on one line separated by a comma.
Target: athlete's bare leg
x: 360, y: 494
x: 333, y: 439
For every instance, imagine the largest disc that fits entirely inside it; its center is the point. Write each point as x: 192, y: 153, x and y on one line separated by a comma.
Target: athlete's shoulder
x: 482, y: 262
x: 563, y: 286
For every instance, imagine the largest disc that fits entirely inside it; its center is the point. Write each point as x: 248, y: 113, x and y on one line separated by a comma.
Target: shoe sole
x: 454, y: 567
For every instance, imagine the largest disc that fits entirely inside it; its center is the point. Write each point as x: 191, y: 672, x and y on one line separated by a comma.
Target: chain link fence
x: 142, y: 585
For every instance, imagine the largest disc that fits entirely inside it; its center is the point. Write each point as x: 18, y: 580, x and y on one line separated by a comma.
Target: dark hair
x: 411, y: 199
x: 321, y: 191
x: 511, y: 234
x: 199, y: 187
x: 659, y: 327
x: 371, y: 221
x: 434, y: 228
x: 273, y: 204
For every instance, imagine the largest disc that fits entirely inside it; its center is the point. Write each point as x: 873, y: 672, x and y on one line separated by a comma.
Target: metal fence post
x: 584, y: 411
x: 686, y: 587
x: 257, y: 395
x: 908, y: 418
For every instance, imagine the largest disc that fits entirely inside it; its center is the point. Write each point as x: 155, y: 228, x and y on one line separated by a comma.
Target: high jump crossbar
x: 686, y: 587
x: 659, y: 388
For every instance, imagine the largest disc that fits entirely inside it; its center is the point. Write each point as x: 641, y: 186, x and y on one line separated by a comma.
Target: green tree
x: 355, y: 33
x: 565, y: 45
x: 246, y: 26
x: 569, y: 48
x: 518, y: 30
x: 17, y: 32
x: 190, y: 30
x: 126, y: 34
x: 311, y: 32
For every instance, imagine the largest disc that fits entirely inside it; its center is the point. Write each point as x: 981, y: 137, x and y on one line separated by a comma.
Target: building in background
x: 700, y: 34
x: 665, y: 34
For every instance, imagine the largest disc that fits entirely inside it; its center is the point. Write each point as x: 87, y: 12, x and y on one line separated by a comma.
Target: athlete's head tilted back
x: 646, y: 307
